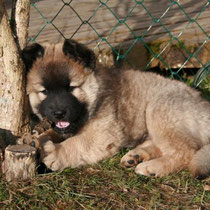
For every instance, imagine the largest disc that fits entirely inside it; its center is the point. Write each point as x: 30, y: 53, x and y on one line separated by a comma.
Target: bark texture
x: 19, y: 162
x: 20, y: 17
x: 13, y: 100
x: 2, y: 146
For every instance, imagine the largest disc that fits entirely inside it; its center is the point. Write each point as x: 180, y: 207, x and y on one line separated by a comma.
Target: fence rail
x: 173, y: 33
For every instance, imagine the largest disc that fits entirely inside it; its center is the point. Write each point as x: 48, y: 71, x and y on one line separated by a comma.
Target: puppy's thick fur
x: 103, y: 110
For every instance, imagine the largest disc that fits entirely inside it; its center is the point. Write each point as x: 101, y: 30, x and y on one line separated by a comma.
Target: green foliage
x: 205, y: 86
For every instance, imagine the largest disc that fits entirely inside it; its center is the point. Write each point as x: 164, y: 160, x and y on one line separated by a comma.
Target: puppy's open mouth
x: 62, y: 126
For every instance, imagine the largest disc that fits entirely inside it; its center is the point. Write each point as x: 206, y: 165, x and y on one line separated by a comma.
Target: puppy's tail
x: 200, y: 163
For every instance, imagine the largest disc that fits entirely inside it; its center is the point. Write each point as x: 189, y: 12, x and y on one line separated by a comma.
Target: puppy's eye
x: 45, y: 91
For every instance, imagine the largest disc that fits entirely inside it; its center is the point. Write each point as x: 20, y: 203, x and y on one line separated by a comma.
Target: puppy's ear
x: 31, y: 53
x: 80, y: 53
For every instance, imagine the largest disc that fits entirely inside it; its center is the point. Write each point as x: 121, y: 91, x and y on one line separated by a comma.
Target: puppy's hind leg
x: 141, y: 153
x: 176, y: 154
x: 200, y: 163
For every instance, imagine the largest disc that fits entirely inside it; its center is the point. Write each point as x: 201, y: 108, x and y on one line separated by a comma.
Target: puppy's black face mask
x: 63, y: 110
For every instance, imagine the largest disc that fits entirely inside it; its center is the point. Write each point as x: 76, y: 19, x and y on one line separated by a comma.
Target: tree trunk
x: 13, y: 100
x: 20, y: 21
x: 19, y: 162
x: 2, y: 147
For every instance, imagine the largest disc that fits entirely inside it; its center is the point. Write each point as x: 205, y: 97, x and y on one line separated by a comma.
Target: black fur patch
x: 80, y: 53
x: 72, y: 111
x: 31, y: 53
x: 55, y: 75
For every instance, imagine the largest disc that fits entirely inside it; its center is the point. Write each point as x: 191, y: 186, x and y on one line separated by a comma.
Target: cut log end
x: 19, y: 162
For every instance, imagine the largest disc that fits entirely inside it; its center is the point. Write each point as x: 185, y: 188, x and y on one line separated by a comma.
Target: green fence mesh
x: 137, y: 38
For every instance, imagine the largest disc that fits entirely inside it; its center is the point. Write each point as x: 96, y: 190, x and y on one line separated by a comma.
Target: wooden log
x: 19, y: 162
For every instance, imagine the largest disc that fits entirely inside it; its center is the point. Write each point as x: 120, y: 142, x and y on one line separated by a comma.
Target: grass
x: 107, y: 186
x: 205, y: 87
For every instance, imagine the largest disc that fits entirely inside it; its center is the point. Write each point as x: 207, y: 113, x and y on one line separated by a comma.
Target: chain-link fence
x: 172, y: 20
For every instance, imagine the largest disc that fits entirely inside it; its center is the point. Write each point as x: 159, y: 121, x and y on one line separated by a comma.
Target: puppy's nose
x: 59, y: 114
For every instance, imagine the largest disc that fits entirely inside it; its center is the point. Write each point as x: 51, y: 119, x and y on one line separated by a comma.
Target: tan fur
x: 167, y: 121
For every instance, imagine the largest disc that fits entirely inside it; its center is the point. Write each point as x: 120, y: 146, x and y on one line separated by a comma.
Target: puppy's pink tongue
x: 62, y: 124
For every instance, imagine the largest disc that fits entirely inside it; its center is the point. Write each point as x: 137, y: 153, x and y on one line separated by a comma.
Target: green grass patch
x: 205, y: 87
x: 105, y: 186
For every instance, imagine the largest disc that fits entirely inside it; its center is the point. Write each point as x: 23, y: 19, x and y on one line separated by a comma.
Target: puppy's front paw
x: 130, y: 160
x: 29, y: 139
x: 53, y: 156
x: 134, y: 157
